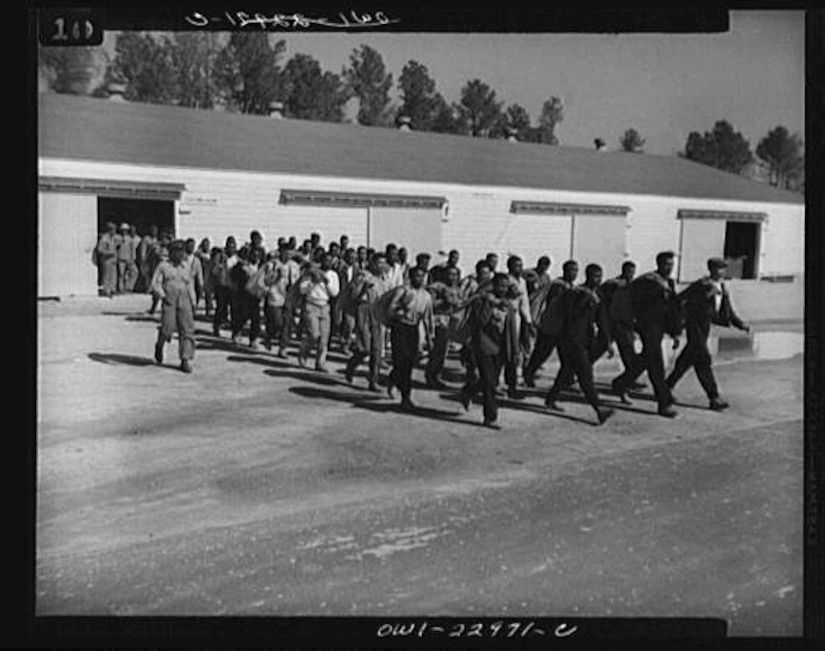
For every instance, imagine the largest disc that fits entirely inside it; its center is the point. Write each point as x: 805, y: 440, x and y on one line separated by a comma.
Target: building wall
x: 221, y: 203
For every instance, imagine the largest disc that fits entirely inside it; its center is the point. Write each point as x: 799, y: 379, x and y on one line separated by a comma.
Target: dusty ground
x: 255, y: 487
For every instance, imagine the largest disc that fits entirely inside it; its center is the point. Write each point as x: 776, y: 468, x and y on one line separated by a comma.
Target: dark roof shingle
x: 100, y: 130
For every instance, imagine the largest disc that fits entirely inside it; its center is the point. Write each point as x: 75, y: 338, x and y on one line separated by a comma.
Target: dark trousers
x: 223, y: 300
x: 489, y: 370
x: 623, y: 336
x: 697, y: 355
x: 651, y: 360
x: 276, y: 329
x: 404, y: 342
x: 469, y: 361
x: 545, y: 344
x: 575, y: 362
x: 208, y: 299
x: 367, y: 342
x: 438, y: 355
x: 246, y: 308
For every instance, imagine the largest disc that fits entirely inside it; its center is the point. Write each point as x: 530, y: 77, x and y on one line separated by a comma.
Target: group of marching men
x: 511, y: 321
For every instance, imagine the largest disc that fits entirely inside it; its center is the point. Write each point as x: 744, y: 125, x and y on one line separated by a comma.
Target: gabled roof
x: 120, y: 132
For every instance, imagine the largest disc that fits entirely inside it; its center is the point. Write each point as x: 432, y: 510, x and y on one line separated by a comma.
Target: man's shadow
x: 116, y: 359
x: 371, y: 403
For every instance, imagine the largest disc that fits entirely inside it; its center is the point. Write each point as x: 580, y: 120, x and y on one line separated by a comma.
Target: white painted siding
x: 221, y: 203
x: 67, y: 234
x: 783, y: 241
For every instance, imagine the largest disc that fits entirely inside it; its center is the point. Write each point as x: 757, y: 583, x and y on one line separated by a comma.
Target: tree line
x: 247, y: 72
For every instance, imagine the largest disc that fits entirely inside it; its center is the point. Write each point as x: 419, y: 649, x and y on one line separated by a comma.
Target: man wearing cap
x: 174, y: 285
x: 705, y: 301
x: 107, y: 253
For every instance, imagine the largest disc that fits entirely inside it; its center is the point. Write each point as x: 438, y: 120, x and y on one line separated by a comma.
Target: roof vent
x: 404, y: 123
x: 276, y: 110
x: 116, y: 91
x: 600, y: 144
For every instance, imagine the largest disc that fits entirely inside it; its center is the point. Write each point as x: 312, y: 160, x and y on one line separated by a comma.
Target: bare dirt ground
x: 256, y: 487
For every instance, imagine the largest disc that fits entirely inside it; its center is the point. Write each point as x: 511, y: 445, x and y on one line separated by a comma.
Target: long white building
x: 214, y: 174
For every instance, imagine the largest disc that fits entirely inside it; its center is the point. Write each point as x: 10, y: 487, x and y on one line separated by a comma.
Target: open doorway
x: 742, y: 249
x: 141, y: 213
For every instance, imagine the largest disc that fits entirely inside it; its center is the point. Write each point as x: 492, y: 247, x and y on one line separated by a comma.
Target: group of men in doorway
x: 126, y: 261
x: 509, y: 321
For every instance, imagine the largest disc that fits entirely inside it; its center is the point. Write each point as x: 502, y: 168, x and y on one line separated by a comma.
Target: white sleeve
x: 334, y: 285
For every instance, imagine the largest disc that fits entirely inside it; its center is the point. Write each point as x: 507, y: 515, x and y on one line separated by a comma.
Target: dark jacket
x: 581, y: 309
x: 616, y: 297
x: 543, y: 306
x: 699, y: 304
x: 653, y: 299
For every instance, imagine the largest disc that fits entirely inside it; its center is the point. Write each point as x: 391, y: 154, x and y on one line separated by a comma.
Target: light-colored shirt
x: 107, y: 245
x: 717, y: 294
x: 522, y: 302
x: 413, y: 305
x: 277, y: 280
x: 172, y: 279
x: 396, y: 275
x: 320, y: 293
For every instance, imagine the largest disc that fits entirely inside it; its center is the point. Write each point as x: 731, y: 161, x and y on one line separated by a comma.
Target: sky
x: 663, y: 85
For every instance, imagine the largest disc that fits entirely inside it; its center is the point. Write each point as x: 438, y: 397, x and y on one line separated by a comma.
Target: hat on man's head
x: 177, y: 245
x: 124, y: 226
x: 717, y: 263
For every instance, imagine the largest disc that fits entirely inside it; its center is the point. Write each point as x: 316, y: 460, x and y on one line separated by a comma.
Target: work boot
x: 281, y: 353
x: 466, y: 398
x: 717, y: 404
x: 621, y: 392
x: 492, y: 424
x: 667, y: 412
x: 551, y: 403
x: 373, y: 387
x: 529, y: 380
x: 349, y: 372
x: 159, y: 352
x: 254, y: 345
x: 185, y: 366
x: 603, y: 413
x: 406, y: 403
x: 268, y: 343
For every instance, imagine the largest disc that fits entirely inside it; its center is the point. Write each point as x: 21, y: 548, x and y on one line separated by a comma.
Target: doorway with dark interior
x: 742, y: 249
x: 140, y: 213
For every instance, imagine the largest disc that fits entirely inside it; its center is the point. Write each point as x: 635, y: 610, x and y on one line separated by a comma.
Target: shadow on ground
x: 370, y: 403
x: 121, y: 360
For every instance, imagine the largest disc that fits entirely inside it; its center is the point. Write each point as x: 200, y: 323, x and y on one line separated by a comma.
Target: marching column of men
x: 372, y: 301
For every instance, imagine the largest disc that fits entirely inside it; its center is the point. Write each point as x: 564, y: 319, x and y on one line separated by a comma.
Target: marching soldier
x: 705, y: 301
x: 580, y: 312
x: 653, y: 299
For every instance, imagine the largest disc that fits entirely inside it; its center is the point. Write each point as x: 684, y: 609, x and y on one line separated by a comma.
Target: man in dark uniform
x: 580, y: 311
x: 653, y: 299
x: 705, y: 301
x: 548, y: 319
x: 619, y: 314
x: 494, y: 339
